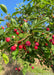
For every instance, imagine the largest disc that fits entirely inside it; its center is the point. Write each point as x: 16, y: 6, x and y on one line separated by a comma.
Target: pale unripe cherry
x: 15, y: 45
x: 13, y: 37
x: 42, y: 33
x: 53, y: 16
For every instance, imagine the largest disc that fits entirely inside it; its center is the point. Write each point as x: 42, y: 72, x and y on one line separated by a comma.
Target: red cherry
x: 19, y: 42
x: 53, y: 42
x: 29, y: 64
x: 28, y: 43
x: 16, y: 68
x: 17, y: 33
x: 7, y: 39
x: 24, y: 47
x: 25, y: 20
x: 47, y: 29
x: 53, y: 36
x: 34, y: 41
x: 20, y: 46
x: 22, y: 31
x: 36, y: 47
x: 51, y: 65
x: 32, y: 67
x: 50, y: 40
x: 46, y: 44
x: 13, y: 48
x: 37, y: 44
x: 27, y: 51
x: 15, y: 30
x: 2, y: 27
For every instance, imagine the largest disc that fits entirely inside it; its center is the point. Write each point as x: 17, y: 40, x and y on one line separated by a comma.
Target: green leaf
x: 13, y: 20
x: 14, y: 57
x: 15, y: 13
x: 1, y: 19
x: 1, y: 31
x: 25, y: 65
x: 5, y: 58
x: 21, y: 35
x: 52, y: 47
x: 3, y: 7
x: 2, y: 43
x: 14, y: 53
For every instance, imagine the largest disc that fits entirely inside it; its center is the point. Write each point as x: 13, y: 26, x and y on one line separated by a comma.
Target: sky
x: 10, y: 4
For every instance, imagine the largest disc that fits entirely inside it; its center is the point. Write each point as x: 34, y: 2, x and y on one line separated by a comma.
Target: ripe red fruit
x: 25, y: 20
x: 53, y: 42
x: 36, y: 47
x: 47, y: 29
x: 37, y: 44
x: 17, y: 33
x: 13, y: 48
x: 46, y: 44
x: 32, y: 67
x: 19, y: 42
x: 51, y: 65
x: 27, y: 51
x: 28, y: 43
x: 22, y: 31
x: 7, y: 39
x: 16, y: 68
x: 50, y: 40
x: 15, y: 30
x: 20, y: 46
x: 53, y: 36
x: 34, y: 41
x: 29, y: 64
x: 2, y: 27
x: 24, y: 47
x: 15, y: 45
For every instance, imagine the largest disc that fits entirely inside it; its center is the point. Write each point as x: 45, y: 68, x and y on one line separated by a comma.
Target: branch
x: 24, y: 38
